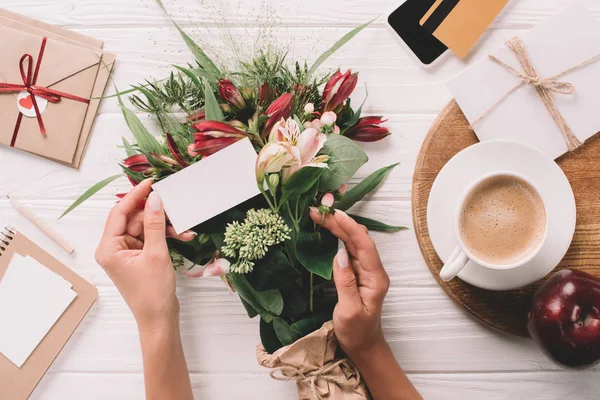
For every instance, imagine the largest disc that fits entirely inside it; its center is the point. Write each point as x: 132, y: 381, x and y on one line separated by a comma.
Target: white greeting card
x: 210, y: 187
x: 32, y: 299
x: 564, y: 41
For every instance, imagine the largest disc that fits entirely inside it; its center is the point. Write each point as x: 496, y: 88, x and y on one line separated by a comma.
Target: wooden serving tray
x: 505, y: 311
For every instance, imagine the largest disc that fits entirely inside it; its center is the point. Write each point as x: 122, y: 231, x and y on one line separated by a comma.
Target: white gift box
x: 564, y: 41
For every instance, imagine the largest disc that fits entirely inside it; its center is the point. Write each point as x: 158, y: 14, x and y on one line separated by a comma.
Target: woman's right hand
x: 361, y: 282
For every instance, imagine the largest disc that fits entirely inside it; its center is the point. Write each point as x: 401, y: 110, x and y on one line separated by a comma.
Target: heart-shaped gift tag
x: 26, y: 102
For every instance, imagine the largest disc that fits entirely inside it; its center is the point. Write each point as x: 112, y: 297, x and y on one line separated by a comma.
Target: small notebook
x: 41, y: 304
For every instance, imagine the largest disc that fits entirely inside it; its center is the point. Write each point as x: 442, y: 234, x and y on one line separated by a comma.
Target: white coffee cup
x: 462, y: 255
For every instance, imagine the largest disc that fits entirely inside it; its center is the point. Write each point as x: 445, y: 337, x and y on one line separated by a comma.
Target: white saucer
x: 503, y: 155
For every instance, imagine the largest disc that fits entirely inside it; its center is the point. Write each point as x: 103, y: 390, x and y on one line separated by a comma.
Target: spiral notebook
x: 51, y: 323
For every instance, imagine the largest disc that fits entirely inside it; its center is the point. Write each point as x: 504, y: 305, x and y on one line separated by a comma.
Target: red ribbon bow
x: 29, y: 84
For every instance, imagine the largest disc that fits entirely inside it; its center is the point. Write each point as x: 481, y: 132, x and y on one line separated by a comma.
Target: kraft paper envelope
x: 30, y: 25
x: 564, y: 41
x: 460, y: 23
x: 64, y: 67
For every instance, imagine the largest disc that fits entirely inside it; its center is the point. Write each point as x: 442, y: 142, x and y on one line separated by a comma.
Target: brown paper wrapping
x: 314, y: 357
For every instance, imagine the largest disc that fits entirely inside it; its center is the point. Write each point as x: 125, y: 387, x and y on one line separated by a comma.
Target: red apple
x: 565, y: 318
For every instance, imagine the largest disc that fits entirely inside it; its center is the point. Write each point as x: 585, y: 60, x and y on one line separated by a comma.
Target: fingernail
x: 342, y: 258
x: 194, y: 234
x: 343, y: 214
x: 315, y: 209
x: 154, y: 203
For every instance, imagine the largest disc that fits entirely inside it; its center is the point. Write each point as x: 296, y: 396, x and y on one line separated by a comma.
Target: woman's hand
x: 361, y: 282
x: 134, y: 253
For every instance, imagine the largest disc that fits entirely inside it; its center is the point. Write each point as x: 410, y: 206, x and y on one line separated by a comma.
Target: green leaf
x: 345, y: 39
x: 203, y: 60
x: 316, y: 251
x: 365, y: 187
x: 273, y: 271
x: 309, y: 325
x: 345, y: 158
x: 213, y: 109
x: 249, y: 309
x: 90, y: 192
x: 268, y: 303
x: 128, y: 149
x: 356, y: 115
x: 143, y: 138
x: 374, y: 225
x: 295, y: 301
x: 135, y: 176
x: 190, y: 75
x: 285, y: 335
x: 298, y: 121
x: 268, y: 337
x: 301, y: 182
x: 196, y: 252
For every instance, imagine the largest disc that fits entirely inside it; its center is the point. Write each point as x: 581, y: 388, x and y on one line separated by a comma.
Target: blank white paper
x: 32, y: 299
x: 210, y: 187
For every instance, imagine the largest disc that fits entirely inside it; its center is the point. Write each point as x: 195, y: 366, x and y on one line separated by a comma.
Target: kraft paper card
x: 565, y: 54
x: 61, y: 76
x: 32, y: 299
x: 210, y: 187
x: 460, y: 23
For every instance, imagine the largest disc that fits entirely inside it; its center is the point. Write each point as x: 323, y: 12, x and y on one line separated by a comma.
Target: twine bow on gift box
x: 29, y: 84
x: 325, y: 373
x: 545, y: 87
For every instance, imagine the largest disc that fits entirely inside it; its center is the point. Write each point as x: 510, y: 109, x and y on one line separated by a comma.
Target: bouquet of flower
x: 305, y: 131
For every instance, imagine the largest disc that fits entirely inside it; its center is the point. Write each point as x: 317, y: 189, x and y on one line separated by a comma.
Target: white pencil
x: 43, y: 225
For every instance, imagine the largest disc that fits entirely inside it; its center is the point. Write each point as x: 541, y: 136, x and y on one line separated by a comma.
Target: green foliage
x: 273, y: 271
x: 376, y: 226
x: 285, y: 335
x: 316, y: 251
x: 365, y: 187
x: 90, y: 192
x: 128, y: 148
x: 143, y: 138
x: 345, y: 158
x: 213, y: 109
x: 268, y: 303
x: 345, y: 39
x: 300, y: 183
x: 268, y: 337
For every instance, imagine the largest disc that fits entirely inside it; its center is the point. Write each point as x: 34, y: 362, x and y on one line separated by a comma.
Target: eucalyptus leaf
x: 203, y: 60
x: 90, y: 192
x: 377, y: 226
x: 143, y: 138
x: 249, y: 309
x: 285, y: 335
x: 128, y: 149
x: 268, y: 337
x: 345, y: 158
x: 316, y: 250
x: 365, y: 187
x: 345, y: 39
x: 213, y: 109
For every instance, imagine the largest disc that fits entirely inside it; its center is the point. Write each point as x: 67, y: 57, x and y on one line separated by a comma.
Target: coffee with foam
x: 502, y: 220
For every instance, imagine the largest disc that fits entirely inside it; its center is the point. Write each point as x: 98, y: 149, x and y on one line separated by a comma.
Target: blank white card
x: 32, y: 299
x: 210, y: 187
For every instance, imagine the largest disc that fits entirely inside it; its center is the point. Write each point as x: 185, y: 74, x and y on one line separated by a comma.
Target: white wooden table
x: 448, y: 355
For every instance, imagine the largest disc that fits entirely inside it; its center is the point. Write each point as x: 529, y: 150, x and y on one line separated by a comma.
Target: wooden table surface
x: 447, y: 354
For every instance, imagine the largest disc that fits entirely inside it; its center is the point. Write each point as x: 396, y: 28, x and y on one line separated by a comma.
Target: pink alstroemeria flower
x: 217, y: 267
x: 273, y: 158
x: 304, y: 145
